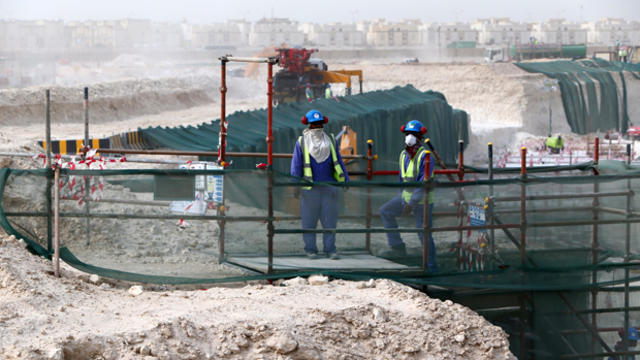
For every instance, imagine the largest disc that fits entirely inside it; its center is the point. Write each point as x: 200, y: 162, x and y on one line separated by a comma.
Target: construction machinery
x: 303, y: 78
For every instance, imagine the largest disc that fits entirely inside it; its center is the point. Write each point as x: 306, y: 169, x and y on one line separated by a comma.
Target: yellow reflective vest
x: 411, y: 173
x: 307, y: 175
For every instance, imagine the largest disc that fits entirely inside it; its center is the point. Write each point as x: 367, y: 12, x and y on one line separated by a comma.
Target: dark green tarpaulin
x: 579, y: 83
x: 375, y: 115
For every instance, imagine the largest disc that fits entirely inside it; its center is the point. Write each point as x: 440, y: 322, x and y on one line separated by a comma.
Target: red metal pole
x: 222, y: 142
x: 596, y: 153
x: 270, y: 114
x: 369, y: 178
x: 270, y: 211
x: 595, y: 241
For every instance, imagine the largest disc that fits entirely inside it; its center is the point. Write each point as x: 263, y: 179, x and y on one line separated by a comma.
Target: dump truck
x: 300, y: 71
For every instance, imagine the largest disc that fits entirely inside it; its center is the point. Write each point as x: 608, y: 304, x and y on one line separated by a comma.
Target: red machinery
x: 294, y: 60
x: 303, y: 78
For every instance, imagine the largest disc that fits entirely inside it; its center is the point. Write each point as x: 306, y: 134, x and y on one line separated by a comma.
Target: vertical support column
x: 85, y: 104
x: 523, y: 249
x: 461, y: 160
x: 426, y: 229
x: 222, y: 145
x: 594, y: 244
x: 368, y: 209
x: 56, y: 223
x: 550, y: 118
x: 48, y: 194
x: 523, y: 207
x: 87, y: 179
x: 270, y: 114
x: 461, y: 215
x: 492, y: 231
x: 270, y: 225
x: 360, y: 80
x: 222, y: 139
x: 627, y: 254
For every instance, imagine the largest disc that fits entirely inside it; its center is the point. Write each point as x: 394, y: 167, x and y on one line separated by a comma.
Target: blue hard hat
x: 633, y: 334
x: 328, y: 85
x: 313, y: 116
x: 413, y: 126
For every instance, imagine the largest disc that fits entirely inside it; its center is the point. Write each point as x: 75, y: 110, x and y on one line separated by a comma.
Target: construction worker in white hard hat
x: 410, y: 200
x: 316, y: 159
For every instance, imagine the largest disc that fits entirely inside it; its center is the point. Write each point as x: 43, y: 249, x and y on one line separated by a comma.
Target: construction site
x: 148, y: 209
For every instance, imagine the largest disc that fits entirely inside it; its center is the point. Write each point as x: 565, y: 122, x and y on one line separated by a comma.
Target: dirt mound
x: 77, y: 317
x: 109, y: 101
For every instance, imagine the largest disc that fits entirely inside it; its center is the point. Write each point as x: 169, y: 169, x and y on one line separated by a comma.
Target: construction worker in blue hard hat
x: 410, y: 200
x: 316, y: 159
x: 327, y: 92
x: 632, y: 341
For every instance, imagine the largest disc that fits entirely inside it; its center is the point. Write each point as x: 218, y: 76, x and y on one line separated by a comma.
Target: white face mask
x: 410, y: 140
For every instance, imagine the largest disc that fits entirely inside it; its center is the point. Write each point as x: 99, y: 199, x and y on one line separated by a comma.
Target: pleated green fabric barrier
x: 375, y: 115
x: 590, y: 92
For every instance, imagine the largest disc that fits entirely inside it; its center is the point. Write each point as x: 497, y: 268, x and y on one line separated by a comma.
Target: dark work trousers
x: 392, y: 209
x: 320, y: 202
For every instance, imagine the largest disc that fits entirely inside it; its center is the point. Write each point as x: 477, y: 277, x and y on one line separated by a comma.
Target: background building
x: 610, y: 31
x: 502, y: 31
x: 333, y: 35
x: 437, y: 35
x: 399, y: 34
x: 560, y: 31
x: 275, y: 32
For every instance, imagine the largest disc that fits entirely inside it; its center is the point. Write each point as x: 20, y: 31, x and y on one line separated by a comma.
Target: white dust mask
x: 410, y: 140
x: 318, y: 144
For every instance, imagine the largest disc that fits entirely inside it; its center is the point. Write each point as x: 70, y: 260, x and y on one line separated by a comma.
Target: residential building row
x: 16, y: 35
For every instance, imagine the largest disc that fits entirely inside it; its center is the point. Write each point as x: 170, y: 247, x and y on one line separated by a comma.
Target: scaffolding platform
x: 349, y: 261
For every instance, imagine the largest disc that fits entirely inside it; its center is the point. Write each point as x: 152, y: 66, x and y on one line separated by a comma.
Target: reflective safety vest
x: 338, y: 174
x: 411, y: 173
x: 327, y: 93
x: 554, y: 143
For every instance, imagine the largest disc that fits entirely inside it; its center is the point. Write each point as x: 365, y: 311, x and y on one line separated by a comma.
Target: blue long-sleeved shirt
x: 417, y: 195
x: 321, y: 171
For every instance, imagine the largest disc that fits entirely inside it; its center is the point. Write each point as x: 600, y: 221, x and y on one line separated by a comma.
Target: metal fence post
x: 523, y: 249
x: 56, y: 223
x: 87, y: 180
x: 48, y: 166
x: 426, y: 229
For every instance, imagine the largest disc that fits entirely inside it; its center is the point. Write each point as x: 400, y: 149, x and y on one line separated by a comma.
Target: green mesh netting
x: 372, y: 115
x: 133, y: 228
x: 133, y: 233
x: 589, y: 92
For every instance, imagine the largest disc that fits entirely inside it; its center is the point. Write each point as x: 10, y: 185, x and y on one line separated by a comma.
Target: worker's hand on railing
x: 406, y: 210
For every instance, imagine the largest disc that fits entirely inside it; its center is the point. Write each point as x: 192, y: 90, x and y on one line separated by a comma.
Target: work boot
x: 334, y: 256
x: 312, y: 256
x: 397, y: 251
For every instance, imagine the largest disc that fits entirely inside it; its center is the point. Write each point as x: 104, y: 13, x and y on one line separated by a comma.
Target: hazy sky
x: 202, y: 11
